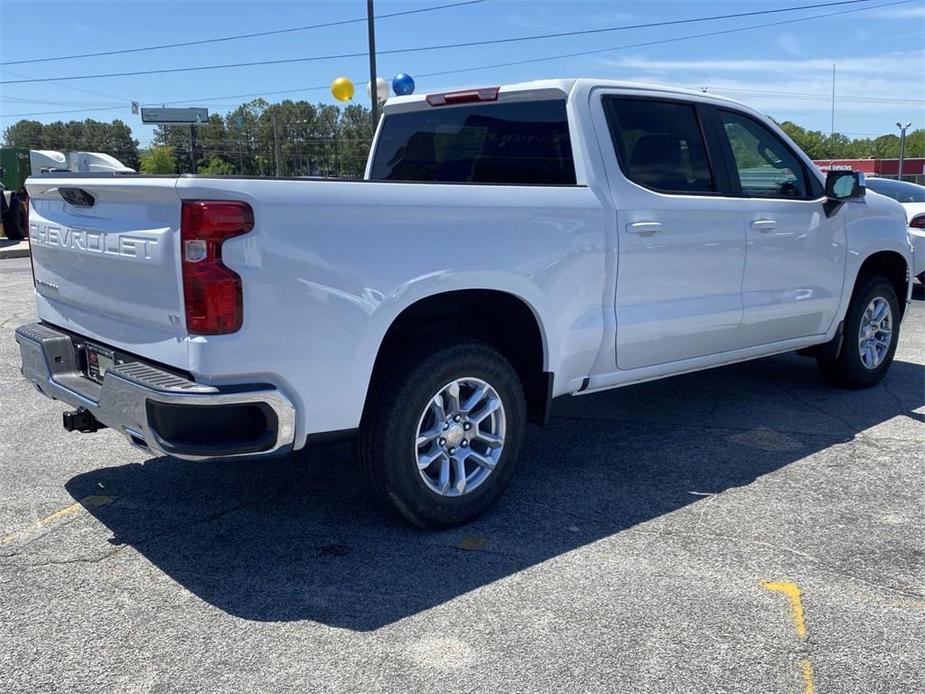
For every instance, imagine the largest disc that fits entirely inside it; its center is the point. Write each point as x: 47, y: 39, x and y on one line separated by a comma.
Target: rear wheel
x: 870, y: 336
x: 442, y: 432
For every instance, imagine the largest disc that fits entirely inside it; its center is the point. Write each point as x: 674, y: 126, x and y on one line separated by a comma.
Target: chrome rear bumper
x: 135, y: 396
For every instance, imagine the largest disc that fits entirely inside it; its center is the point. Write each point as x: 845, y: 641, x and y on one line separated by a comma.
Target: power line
x: 823, y: 97
x: 658, y: 42
x: 464, y: 44
x: 56, y: 113
x: 72, y: 87
x: 474, y: 68
x: 61, y: 102
x: 236, y: 37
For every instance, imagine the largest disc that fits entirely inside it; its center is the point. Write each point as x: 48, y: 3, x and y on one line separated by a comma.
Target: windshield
x: 898, y: 190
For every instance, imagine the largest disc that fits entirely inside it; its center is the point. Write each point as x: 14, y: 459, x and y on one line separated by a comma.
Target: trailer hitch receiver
x: 82, y: 420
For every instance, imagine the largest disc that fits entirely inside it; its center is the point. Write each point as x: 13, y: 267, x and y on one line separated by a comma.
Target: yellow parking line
x: 472, y: 544
x: 808, y: 686
x: 61, y: 513
x: 792, y: 591
x: 796, y: 604
x: 93, y: 501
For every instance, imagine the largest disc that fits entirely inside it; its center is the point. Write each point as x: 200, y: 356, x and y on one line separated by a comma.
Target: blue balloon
x: 402, y: 84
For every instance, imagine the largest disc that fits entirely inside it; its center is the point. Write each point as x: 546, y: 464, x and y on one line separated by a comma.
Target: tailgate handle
x: 77, y: 196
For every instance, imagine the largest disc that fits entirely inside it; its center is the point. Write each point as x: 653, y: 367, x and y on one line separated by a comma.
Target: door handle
x: 643, y: 227
x: 763, y: 224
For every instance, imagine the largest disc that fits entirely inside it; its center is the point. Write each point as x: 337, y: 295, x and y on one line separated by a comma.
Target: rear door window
x: 516, y: 143
x: 659, y: 144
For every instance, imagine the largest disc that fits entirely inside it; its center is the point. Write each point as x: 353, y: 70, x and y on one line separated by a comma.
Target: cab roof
x: 551, y: 87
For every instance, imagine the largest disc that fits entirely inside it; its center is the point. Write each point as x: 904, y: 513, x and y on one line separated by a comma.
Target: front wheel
x: 870, y: 336
x: 442, y: 432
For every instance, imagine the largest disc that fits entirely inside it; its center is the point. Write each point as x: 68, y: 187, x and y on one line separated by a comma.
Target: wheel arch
x: 892, y: 265
x: 501, y: 318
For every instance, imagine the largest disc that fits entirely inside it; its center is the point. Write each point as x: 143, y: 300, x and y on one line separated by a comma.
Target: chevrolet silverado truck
x: 508, y: 245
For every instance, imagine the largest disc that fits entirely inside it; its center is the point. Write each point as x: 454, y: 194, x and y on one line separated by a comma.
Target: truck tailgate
x: 105, y: 252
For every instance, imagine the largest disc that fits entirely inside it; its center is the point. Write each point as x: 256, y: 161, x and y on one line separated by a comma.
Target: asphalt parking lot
x: 748, y: 529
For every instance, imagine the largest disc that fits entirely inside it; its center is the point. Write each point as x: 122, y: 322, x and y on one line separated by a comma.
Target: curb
x: 13, y: 249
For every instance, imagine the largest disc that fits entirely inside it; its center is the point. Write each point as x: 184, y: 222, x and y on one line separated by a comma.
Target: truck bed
x: 315, y: 307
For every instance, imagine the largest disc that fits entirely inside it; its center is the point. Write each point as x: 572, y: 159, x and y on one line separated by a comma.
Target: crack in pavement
x: 66, y: 562
x: 788, y: 550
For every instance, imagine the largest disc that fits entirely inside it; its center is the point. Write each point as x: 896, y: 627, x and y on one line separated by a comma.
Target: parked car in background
x: 912, y: 197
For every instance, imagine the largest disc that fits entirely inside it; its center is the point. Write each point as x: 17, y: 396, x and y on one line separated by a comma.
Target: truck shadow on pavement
x: 298, y: 539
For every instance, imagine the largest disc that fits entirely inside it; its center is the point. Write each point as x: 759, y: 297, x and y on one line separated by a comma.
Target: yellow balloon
x: 342, y: 89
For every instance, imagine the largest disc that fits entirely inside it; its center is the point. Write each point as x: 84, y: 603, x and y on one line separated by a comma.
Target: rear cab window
x: 659, y: 144
x: 518, y: 143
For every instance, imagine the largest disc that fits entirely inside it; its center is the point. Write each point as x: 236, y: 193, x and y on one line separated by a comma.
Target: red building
x: 913, y: 169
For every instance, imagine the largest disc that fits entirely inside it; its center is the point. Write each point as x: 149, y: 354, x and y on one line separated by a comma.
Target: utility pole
x: 192, y: 148
x: 276, y: 146
x: 371, y: 28
x: 902, y: 147
x: 832, y: 135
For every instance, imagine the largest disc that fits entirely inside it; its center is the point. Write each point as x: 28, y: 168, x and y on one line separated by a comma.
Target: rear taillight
x: 918, y: 222
x: 212, y: 292
x: 467, y: 96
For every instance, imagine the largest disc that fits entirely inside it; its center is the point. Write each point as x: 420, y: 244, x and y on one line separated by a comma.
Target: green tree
x: 177, y: 138
x: 158, y: 160
x: 915, y: 143
x: 312, y: 140
x: 241, y: 126
x: 354, y: 137
x: 213, y: 141
x: 216, y: 166
x: 813, y: 142
x: 24, y: 133
x: 113, y: 138
x: 885, y: 146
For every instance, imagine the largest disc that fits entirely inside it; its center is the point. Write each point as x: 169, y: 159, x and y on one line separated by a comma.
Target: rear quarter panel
x: 330, y: 265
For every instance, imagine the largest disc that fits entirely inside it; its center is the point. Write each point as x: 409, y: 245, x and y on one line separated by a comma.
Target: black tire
x: 847, y: 369
x: 13, y: 220
x: 398, y: 397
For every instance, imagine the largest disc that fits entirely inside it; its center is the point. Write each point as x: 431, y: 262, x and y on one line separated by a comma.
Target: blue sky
x: 786, y: 71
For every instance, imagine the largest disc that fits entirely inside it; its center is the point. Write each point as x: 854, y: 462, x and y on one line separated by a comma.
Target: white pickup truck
x: 509, y: 245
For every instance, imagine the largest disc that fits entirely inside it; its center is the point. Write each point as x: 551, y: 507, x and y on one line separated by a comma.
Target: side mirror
x: 845, y: 185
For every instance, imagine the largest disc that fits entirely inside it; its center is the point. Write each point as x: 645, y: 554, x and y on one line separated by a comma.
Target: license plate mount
x: 99, y: 360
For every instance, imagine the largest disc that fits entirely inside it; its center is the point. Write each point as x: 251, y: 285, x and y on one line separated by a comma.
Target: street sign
x: 174, y: 115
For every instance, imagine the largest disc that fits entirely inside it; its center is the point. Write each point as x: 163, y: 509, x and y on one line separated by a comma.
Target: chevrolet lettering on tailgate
x: 125, y: 245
